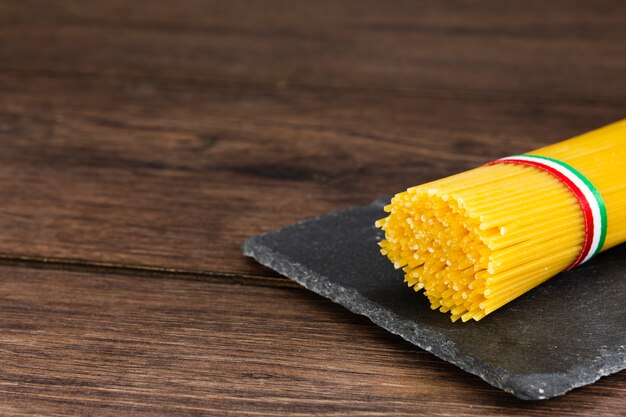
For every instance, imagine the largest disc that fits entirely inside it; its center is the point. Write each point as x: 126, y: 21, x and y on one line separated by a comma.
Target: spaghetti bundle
x: 479, y: 239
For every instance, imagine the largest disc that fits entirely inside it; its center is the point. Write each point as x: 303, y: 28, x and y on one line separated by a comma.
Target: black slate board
x: 568, y: 332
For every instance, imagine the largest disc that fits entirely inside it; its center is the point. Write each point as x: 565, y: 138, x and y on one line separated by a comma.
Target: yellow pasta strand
x: 477, y: 240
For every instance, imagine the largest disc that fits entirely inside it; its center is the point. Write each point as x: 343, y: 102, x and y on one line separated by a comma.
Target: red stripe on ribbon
x: 582, y: 201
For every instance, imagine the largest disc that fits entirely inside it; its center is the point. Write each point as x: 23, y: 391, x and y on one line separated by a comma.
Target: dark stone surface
x: 566, y: 333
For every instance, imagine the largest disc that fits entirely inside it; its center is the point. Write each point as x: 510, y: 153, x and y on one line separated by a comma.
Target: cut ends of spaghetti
x: 441, y: 249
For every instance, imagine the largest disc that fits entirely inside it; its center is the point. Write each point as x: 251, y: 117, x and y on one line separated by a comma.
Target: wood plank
x: 176, y: 177
x: 95, y: 345
x: 569, y: 49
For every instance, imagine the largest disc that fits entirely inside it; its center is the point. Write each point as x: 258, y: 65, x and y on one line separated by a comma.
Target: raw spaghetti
x: 479, y: 239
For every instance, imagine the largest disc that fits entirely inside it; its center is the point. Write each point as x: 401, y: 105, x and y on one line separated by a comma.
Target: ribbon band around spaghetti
x: 588, y: 196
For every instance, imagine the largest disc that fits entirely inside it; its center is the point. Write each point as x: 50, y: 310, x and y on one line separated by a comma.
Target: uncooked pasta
x: 479, y: 239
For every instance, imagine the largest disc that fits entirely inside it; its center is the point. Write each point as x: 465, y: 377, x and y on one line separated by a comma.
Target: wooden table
x: 142, y: 142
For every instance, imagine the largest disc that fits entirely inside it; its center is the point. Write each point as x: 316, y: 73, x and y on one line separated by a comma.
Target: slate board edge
x: 556, y: 383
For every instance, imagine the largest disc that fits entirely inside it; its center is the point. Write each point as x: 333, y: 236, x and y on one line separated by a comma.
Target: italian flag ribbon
x: 586, y: 193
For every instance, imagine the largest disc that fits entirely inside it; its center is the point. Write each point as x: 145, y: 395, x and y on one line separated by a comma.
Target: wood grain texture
x: 176, y: 177
x: 96, y: 345
x: 570, y: 49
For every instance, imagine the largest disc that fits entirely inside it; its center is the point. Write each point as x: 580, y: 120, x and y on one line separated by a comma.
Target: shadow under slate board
x: 566, y: 333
